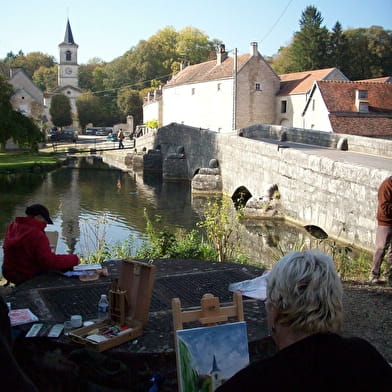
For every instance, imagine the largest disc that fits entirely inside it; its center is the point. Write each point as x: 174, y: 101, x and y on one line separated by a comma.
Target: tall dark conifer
x: 309, y: 49
x: 337, y: 47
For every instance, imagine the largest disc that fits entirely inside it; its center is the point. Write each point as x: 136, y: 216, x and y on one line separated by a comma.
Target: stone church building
x: 30, y: 100
x: 68, y: 80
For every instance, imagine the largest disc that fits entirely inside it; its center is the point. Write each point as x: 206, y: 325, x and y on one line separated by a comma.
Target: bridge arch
x: 240, y: 196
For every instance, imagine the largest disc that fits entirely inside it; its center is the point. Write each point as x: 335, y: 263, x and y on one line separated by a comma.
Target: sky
x: 107, y: 29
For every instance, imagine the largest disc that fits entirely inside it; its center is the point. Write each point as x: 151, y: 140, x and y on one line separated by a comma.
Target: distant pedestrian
x: 383, y: 231
x: 120, y: 137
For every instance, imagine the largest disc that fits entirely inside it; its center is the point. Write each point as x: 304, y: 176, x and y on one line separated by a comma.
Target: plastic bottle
x: 103, y: 307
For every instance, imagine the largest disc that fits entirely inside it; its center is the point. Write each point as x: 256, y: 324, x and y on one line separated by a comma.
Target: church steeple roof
x: 214, y: 367
x: 68, y: 37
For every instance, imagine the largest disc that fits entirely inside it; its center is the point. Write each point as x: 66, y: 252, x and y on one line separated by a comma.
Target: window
x: 313, y: 104
x: 362, y: 94
x: 193, y: 91
x: 363, y: 107
x: 218, y: 87
x: 283, y: 107
x: 68, y: 55
x: 258, y: 87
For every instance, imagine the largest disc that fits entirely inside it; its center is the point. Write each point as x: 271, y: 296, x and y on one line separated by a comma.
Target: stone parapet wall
x: 367, y: 145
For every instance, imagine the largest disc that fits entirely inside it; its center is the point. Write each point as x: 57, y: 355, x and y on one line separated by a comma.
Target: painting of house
x: 358, y: 108
x: 224, y: 94
x: 208, y: 356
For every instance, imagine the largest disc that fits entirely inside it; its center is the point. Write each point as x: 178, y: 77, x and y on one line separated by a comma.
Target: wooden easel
x: 209, y: 314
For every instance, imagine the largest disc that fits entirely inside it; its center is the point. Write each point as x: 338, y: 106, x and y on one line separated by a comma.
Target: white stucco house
x: 234, y: 92
x: 222, y: 95
x: 294, y: 94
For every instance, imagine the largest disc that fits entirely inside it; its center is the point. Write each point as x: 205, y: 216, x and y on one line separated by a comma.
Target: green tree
x: 25, y: 132
x: 130, y: 102
x: 6, y: 112
x: 369, y: 53
x: 283, y: 62
x: 60, y: 110
x: 338, y: 47
x: 86, y: 76
x: 89, y: 109
x: 14, y: 124
x: 309, y: 49
x: 193, y: 46
x: 31, y: 62
x: 222, y: 225
x: 46, y: 78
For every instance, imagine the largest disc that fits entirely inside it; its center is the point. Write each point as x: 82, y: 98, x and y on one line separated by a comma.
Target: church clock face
x: 68, y: 71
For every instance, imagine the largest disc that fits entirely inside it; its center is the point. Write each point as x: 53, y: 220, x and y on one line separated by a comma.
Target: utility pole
x: 234, y: 125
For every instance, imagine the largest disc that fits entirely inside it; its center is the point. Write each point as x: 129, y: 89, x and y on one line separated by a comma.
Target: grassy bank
x: 19, y: 162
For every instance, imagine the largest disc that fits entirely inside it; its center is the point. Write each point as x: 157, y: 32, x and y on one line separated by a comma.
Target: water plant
x: 222, y: 225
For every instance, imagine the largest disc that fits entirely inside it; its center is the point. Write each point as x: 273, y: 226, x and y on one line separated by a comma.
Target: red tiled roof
x: 207, y: 71
x: 301, y: 82
x: 339, y: 96
x: 385, y: 79
x: 362, y: 126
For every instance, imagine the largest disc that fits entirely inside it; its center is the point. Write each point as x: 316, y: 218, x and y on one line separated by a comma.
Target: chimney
x: 253, y: 49
x: 221, y: 54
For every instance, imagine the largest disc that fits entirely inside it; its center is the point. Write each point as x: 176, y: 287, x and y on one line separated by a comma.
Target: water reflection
x: 91, y: 200
x: 94, y: 195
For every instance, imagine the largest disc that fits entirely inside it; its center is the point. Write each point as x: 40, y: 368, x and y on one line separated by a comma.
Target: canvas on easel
x: 208, y: 355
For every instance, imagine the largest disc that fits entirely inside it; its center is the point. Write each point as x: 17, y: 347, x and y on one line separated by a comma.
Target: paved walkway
x: 356, y: 158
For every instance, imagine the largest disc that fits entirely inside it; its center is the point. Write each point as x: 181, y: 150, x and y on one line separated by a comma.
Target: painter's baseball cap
x: 39, y: 209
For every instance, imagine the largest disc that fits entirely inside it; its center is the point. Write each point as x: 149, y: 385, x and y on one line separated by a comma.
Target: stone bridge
x: 322, y: 179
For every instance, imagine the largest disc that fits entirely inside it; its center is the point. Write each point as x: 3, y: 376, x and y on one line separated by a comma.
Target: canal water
x: 95, y: 202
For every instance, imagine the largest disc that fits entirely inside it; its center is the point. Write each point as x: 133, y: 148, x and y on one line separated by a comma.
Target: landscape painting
x: 208, y: 356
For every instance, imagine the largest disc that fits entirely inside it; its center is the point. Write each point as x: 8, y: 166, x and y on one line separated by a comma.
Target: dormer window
x: 362, y: 94
x: 363, y: 107
x: 362, y: 101
x: 68, y: 55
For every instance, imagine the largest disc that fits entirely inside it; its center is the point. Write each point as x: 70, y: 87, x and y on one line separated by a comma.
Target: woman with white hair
x: 304, y: 314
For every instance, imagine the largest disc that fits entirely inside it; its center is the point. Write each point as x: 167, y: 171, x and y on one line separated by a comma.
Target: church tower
x: 68, y: 66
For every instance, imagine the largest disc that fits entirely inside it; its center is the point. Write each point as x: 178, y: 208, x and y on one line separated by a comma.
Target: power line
x: 277, y: 21
x: 126, y: 85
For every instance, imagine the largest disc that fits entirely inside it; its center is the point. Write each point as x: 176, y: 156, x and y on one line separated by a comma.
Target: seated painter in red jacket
x: 27, y: 251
